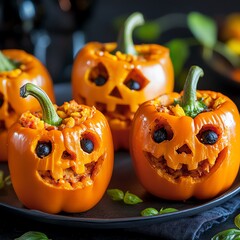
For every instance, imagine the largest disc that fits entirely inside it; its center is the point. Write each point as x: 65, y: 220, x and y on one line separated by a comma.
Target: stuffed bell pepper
x: 17, y: 68
x: 60, y: 158
x: 117, y: 77
x: 186, y: 145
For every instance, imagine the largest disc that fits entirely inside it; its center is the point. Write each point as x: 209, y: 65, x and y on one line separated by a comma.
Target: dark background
x: 56, y: 29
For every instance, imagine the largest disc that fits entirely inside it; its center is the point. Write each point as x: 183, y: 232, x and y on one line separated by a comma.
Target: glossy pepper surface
x: 118, y: 77
x: 186, y: 145
x: 60, y: 159
x: 17, y: 67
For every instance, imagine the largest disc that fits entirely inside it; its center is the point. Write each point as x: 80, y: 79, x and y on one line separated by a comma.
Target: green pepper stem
x: 6, y: 64
x: 49, y: 113
x: 189, y: 103
x: 125, y: 42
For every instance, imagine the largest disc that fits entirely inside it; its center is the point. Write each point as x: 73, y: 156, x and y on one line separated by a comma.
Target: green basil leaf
x: 203, y: 28
x: 237, y: 221
x: 179, y: 53
x: 7, y: 180
x: 149, y: 31
x: 130, y: 198
x: 115, y: 194
x: 1, y: 179
x: 167, y: 210
x: 31, y: 235
x: 229, y: 234
x: 149, y: 212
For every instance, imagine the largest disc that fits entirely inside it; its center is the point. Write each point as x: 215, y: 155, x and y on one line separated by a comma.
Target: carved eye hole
x: 100, y: 80
x: 1, y: 99
x: 99, y: 75
x: 136, y: 80
x: 87, y: 145
x: 162, y: 133
x: 133, y: 84
x: 43, y: 149
x: 208, y: 136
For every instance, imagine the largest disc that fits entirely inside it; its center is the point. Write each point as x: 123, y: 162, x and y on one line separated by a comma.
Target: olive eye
x: 87, y: 145
x: 160, y: 135
x: 100, y: 80
x: 43, y: 149
x: 208, y: 137
x: 133, y: 85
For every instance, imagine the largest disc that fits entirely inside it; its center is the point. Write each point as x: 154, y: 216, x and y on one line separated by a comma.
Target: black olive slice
x: 43, y: 149
x: 208, y: 137
x: 100, y: 80
x: 87, y: 145
x: 160, y: 135
x: 133, y: 85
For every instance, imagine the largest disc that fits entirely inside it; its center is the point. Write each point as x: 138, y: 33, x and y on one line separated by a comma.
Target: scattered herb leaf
x: 237, y: 221
x: 167, y: 210
x: 229, y: 234
x: 1, y: 179
x: 31, y: 235
x: 7, y: 180
x: 149, y: 212
x: 130, y: 198
x: 4, y: 181
x: 115, y: 194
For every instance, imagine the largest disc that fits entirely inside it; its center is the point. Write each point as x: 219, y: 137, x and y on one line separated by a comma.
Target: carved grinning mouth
x: 204, y: 167
x: 121, y: 112
x: 73, y: 179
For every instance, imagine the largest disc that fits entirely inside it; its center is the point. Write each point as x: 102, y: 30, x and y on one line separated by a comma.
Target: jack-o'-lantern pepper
x: 60, y: 158
x: 186, y: 145
x: 17, y: 68
x: 117, y: 77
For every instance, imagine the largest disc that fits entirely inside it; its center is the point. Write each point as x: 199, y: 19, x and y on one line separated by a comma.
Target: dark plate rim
x: 120, y: 222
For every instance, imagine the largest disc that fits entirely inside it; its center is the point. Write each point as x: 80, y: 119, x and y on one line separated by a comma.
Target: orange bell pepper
x: 17, y: 68
x: 186, y: 145
x: 60, y: 159
x: 117, y: 77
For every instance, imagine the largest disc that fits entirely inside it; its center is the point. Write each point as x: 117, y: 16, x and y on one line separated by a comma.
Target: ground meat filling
x: 203, y: 169
x: 73, y: 179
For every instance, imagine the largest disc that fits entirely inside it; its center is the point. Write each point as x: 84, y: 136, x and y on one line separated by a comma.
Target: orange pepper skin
x: 12, y: 105
x: 151, y: 68
x: 158, y: 177
x: 34, y: 191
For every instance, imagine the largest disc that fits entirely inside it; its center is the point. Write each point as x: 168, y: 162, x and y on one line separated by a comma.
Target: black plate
x: 108, y: 213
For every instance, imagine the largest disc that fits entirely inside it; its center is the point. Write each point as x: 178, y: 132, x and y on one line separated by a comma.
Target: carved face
x: 65, y: 169
x: 118, y: 84
x: 177, y: 157
x: 194, y: 150
x: 70, y: 160
x: 11, y: 104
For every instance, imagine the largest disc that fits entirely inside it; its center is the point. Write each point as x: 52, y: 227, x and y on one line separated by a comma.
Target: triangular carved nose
x: 115, y: 93
x: 184, y: 149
